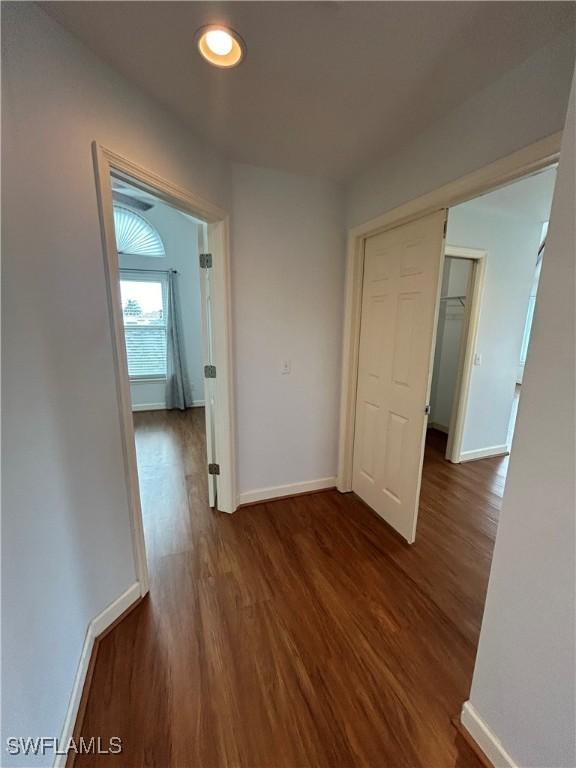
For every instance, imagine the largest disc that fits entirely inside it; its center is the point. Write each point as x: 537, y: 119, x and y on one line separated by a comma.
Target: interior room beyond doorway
x: 158, y: 259
x: 162, y: 295
x: 450, y: 335
x: 483, y: 330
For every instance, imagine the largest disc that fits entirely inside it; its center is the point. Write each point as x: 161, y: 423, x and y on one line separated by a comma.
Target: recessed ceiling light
x: 220, y: 45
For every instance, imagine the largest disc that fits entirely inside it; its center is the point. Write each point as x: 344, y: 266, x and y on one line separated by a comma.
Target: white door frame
x: 106, y: 163
x: 467, y: 346
x: 525, y: 161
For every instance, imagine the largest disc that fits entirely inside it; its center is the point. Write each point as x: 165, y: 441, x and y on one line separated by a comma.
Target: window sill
x: 147, y: 379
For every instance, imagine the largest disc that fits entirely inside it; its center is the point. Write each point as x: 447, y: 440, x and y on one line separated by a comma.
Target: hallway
x: 300, y: 632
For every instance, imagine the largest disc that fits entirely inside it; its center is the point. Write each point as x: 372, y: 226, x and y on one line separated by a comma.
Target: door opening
x: 391, y: 280
x: 451, y: 331
x: 165, y: 299
x: 458, y: 318
x: 483, y: 337
x: 166, y: 264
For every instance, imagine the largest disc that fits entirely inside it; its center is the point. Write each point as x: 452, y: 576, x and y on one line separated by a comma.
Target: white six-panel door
x: 402, y: 268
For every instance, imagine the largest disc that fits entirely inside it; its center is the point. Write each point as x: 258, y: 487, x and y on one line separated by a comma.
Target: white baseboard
x: 486, y: 740
x: 96, y: 627
x: 263, y: 494
x: 115, y: 609
x: 149, y: 407
x: 485, y: 453
x: 161, y: 406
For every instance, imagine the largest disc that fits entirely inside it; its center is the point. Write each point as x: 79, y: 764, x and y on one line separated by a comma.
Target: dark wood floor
x: 296, y: 633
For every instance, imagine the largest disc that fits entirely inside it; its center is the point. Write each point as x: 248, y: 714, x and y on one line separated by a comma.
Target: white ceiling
x: 326, y: 87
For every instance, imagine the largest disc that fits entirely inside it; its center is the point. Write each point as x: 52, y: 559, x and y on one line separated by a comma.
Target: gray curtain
x: 178, y: 391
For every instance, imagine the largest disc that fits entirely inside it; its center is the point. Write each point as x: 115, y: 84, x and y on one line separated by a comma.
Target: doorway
x: 164, y: 291
x: 380, y: 459
x: 485, y: 316
x: 459, y: 309
x: 170, y: 323
x: 450, y: 334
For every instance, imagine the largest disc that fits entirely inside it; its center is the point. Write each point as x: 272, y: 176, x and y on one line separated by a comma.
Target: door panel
x: 399, y: 306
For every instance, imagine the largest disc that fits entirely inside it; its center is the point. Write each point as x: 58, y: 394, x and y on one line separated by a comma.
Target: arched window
x: 134, y: 235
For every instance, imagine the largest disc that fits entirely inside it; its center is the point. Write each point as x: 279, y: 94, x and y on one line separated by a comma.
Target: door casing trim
x: 106, y: 163
x: 467, y: 347
x: 531, y: 159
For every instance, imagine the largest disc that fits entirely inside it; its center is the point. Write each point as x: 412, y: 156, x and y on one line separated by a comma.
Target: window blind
x: 144, y: 307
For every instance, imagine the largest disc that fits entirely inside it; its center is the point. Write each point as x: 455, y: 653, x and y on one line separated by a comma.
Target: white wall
x: 179, y: 234
x: 512, y: 244
x: 65, y: 510
x: 524, y: 680
x: 451, y: 316
x: 288, y: 272
x: 525, y: 105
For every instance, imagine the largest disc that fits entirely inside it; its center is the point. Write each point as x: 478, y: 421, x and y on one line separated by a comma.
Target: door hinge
x: 210, y: 371
x: 427, y: 410
x: 213, y: 469
x: 205, y: 261
x: 445, y: 226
